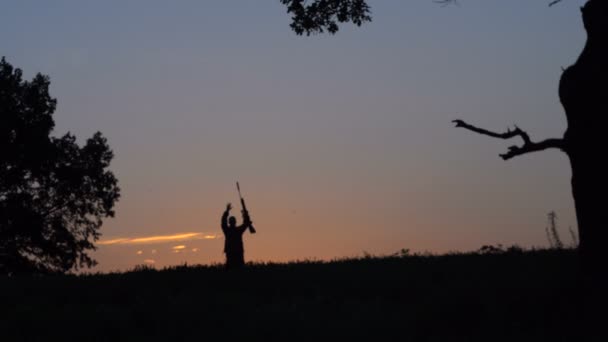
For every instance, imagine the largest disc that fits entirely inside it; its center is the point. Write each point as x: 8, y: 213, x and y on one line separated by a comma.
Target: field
x: 503, y: 296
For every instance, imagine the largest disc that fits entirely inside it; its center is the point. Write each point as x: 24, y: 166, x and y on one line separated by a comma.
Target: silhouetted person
x: 233, y: 246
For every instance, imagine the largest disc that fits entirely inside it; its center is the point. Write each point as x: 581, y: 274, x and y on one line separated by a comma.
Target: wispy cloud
x: 150, y: 261
x: 157, y: 239
x: 180, y: 248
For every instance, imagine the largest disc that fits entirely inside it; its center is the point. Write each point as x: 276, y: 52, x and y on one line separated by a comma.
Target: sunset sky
x: 343, y: 144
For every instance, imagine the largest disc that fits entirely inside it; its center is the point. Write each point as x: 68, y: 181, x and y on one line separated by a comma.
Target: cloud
x: 140, y: 252
x: 113, y: 241
x: 177, y: 249
x: 149, y: 261
x: 157, y: 239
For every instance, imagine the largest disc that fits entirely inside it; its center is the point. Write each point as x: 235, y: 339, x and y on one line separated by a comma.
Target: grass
x: 493, y: 296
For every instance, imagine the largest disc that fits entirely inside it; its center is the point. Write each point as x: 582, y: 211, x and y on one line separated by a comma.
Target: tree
x: 53, y: 193
x: 583, y: 90
x: 324, y: 15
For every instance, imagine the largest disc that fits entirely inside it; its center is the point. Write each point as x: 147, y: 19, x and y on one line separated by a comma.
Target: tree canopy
x: 324, y: 15
x: 319, y: 16
x: 53, y: 193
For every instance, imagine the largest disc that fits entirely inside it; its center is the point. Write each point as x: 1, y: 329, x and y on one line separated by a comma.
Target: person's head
x: 232, y: 221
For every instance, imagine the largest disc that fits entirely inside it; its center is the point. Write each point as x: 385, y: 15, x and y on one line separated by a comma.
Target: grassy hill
x: 502, y: 296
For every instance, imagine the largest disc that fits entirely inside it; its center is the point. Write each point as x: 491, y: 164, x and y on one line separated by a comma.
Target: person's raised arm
x: 246, y: 222
x: 225, y: 217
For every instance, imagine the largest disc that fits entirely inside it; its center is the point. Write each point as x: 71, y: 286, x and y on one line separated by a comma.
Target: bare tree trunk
x: 583, y: 91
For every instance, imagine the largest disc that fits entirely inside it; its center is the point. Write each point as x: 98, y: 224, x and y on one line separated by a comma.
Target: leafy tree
x: 53, y: 193
x: 583, y: 92
x: 324, y: 15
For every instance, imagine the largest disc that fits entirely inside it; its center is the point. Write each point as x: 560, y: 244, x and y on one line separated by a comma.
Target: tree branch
x: 447, y: 2
x: 554, y: 2
x: 514, y: 151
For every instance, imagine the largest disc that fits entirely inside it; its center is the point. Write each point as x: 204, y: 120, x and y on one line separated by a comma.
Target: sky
x: 343, y: 144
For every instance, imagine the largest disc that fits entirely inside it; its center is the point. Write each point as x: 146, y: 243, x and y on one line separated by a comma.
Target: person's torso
x: 234, y: 241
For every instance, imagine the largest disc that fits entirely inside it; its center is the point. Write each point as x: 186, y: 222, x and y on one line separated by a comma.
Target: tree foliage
x: 53, y: 193
x: 318, y: 16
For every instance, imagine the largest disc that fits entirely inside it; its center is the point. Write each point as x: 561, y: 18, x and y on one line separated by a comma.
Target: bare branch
x: 514, y: 151
x: 444, y: 3
x: 447, y: 2
x: 554, y: 2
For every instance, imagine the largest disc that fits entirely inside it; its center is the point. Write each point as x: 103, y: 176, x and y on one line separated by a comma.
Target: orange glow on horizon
x: 158, y: 239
